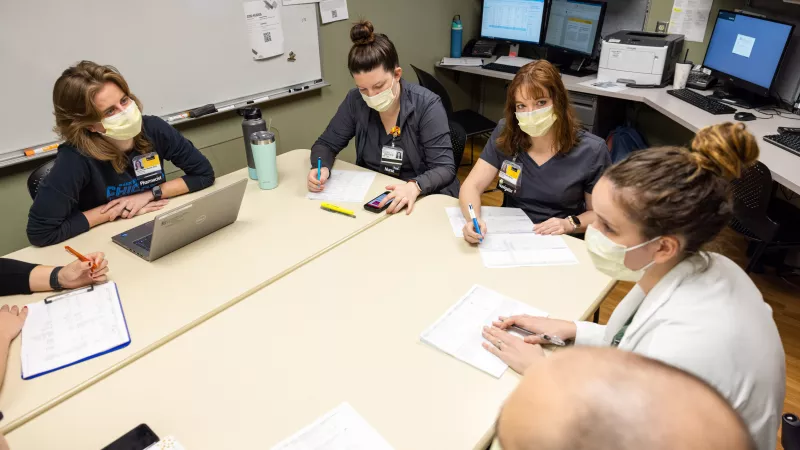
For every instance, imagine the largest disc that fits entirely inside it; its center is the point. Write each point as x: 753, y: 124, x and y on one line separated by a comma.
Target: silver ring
x: 499, y: 343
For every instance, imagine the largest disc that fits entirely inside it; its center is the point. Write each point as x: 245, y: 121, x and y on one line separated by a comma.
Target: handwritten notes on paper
x: 341, y: 429
x: 498, y: 220
x: 458, y: 331
x: 525, y: 250
x: 349, y: 186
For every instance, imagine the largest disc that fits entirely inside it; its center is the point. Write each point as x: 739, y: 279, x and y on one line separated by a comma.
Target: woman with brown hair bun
x: 401, y: 128
x: 547, y: 164
x: 111, y: 162
x: 690, y: 308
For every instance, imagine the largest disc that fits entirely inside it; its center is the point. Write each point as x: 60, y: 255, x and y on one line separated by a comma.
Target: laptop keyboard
x: 144, y: 242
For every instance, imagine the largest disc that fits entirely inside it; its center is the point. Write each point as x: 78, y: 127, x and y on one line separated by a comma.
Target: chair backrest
x: 430, y: 83
x: 751, y: 195
x: 459, y: 138
x: 36, y: 177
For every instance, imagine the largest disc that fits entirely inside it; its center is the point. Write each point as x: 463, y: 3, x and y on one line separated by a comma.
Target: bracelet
x: 54, y: 284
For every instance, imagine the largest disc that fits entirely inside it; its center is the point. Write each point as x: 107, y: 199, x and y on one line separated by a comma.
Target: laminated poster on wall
x: 263, y: 18
x: 690, y: 18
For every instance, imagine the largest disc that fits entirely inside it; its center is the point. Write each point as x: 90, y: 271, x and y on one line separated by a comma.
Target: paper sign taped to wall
x: 263, y: 18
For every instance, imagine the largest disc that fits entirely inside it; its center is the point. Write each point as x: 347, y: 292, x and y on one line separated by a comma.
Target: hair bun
x: 725, y: 149
x: 362, y: 33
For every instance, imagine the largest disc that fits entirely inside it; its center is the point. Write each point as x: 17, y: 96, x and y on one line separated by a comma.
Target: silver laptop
x: 184, y: 225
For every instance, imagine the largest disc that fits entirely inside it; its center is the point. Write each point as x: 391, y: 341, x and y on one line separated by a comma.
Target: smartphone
x: 373, y: 205
x: 138, y: 438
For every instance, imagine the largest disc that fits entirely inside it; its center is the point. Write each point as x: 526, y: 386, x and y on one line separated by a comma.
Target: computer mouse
x: 744, y: 116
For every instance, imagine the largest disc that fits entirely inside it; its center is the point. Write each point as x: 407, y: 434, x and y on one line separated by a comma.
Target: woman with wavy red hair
x: 548, y: 165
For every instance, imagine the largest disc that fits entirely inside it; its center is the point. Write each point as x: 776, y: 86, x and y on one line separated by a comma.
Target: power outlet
x: 661, y: 27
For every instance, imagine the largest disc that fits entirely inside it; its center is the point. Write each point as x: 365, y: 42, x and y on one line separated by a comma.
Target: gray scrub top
x: 424, y: 138
x: 557, y: 187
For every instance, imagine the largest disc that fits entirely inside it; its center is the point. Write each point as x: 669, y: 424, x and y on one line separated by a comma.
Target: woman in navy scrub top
x: 547, y: 164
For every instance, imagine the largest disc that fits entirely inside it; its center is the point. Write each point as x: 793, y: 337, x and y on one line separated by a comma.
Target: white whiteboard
x: 175, y: 55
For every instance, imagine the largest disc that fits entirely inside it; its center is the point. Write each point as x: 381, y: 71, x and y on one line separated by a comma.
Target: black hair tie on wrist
x: 54, y: 284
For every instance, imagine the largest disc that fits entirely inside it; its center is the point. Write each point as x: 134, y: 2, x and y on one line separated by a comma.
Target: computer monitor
x: 746, y: 51
x: 574, y: 25
x: 513, y: 20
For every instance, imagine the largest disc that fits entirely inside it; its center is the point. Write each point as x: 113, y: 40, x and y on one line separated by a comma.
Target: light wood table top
x: 276, y: 231
x: 344, y: 327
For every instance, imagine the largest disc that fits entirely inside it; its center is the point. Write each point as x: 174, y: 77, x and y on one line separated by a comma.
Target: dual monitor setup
x: 569, y: 28
x: 745, y: 51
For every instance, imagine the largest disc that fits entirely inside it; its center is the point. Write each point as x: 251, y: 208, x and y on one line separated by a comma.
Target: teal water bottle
x: 265, y: 156
x: 455, y: 37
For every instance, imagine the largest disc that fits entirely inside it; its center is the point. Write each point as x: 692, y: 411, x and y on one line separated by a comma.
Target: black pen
x: 551, y: 339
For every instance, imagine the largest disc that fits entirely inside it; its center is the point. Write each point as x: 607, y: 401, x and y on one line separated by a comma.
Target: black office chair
x: 474, y: 124
x: 458, y: 136
x: 36, y: 177
x: 755, y: 213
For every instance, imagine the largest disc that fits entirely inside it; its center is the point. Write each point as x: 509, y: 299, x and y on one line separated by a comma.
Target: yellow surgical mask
x: 536, y: 123
x: 382, y: 101
x: 124, y: 125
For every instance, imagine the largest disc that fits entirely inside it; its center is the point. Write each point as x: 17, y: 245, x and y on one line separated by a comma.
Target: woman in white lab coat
x: 692, y: 309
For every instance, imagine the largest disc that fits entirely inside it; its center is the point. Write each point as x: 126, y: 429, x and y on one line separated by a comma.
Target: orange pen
x: 79, y: 256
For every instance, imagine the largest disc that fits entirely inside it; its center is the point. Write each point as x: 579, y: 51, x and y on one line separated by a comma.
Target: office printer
x: 640, y: 56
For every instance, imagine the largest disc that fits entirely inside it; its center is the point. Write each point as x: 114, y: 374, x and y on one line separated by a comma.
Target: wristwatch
x: 574, y: 221
x: 54, y: 284
x: 157, y: 193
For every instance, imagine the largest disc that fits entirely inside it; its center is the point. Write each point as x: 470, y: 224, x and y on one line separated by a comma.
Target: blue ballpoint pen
x: 475, y: 222
x: 319, y: 168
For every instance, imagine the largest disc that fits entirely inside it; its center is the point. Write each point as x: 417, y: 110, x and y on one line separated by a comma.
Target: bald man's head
x: 592, y: 398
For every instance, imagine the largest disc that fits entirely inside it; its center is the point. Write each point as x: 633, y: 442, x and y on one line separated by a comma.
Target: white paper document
x: 689, y: 18
x: 475, y: 62
x: 524, y: 250
x: 298, y: 2
x: 459, y: 331
x: 349, y: 186
x: 263, y: 18
x: 498, y: 220
x: 608, y: 86
x: 72, y: 327
x: 341, y: 429
x: 333, y: 10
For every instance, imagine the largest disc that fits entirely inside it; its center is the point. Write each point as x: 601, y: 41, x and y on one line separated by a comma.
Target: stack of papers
x: 498, y: 220
x: 341, y: 429
x: 69, y: 328
x: 474, y: 62
x: 459, y: 331
x: 348, y: 186
x: 525, y: 250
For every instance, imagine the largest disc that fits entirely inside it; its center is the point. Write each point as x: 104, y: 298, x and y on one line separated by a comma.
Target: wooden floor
x: 783, y: 297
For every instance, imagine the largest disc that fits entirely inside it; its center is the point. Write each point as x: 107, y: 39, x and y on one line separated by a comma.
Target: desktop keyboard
x: 502, y: 68
x: 144, y: 242
x: 701, y: 101
x: 787, y: 141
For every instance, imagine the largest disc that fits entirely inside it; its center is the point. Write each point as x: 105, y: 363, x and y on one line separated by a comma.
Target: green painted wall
x: 420, y: 30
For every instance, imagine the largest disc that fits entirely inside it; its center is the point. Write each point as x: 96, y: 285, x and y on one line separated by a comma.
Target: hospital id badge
x: 510, y: 177
x: 391, y: 160
x: 148, y: 170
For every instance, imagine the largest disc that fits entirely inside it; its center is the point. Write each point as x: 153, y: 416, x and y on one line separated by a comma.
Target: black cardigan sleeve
x: 15, y: 277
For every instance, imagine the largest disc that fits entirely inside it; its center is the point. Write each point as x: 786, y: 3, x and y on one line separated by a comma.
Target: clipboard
x: 72, y: 327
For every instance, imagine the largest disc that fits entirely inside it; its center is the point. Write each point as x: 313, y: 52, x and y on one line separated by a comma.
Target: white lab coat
x: 714, y: 324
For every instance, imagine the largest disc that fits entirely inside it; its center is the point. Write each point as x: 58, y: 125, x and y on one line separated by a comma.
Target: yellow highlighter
x: 337, y: 209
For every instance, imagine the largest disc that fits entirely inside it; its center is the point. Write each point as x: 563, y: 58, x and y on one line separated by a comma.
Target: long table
x: 277, y: 231
x: 785, y: 166
x: 343, y: 327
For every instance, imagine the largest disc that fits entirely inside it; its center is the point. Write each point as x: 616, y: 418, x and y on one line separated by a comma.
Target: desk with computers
x: 744, y: 56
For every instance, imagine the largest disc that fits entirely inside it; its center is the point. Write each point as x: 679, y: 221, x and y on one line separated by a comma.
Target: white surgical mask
x: 536, y: 123
x: 382, y: 101
x: 124, y: 125
x: 609, y: 257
